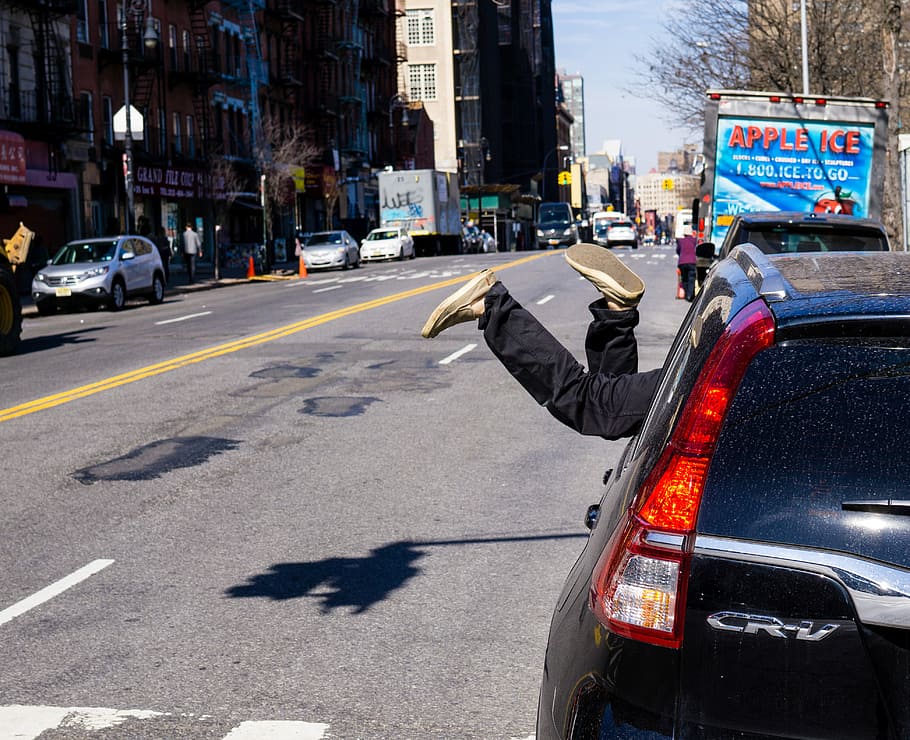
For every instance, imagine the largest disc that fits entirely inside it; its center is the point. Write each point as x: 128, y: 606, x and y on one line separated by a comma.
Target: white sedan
x: 387, y: 243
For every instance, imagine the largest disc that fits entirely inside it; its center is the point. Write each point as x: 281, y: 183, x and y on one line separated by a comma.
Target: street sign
x: 137, y: 124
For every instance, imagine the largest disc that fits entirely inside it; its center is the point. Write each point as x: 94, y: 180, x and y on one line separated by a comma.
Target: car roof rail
x: 762, y: 273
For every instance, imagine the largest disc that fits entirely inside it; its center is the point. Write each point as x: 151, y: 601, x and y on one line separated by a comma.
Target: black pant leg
x: 610, y: 345
x: 599, y: 404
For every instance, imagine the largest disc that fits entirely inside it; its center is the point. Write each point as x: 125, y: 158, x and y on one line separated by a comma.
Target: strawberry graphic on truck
x: 838, y: 201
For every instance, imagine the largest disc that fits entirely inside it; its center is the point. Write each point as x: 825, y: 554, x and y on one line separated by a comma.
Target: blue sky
x: 599, y: 39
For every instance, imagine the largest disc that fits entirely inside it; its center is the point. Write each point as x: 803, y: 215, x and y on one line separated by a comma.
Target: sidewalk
x: 205, y: 280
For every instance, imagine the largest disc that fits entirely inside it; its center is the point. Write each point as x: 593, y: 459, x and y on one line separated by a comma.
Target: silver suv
x: 106, y: 270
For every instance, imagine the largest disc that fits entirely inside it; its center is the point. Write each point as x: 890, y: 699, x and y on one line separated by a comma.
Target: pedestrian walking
x: 192, y: 246
x: 164, y: 249
x: 685, y: 249
x: 610, y: 399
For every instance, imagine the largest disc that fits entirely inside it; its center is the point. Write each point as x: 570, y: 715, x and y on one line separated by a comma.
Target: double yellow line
x: 40, y: 404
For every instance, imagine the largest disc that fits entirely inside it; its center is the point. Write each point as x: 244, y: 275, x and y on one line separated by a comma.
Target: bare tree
x: 226, y: 184
x: 755, y: 45
x: 891, y: 71
x: 854, y: 49
x: 282, y: 147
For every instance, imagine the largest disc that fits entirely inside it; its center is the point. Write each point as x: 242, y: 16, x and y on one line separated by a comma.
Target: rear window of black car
x: 816, y: 423
x: 788, y: 238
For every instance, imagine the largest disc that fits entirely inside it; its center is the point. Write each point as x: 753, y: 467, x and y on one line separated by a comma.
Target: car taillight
x: 638, y: 586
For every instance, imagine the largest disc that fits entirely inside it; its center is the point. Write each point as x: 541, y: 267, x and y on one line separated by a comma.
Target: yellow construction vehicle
x: 13, y: 254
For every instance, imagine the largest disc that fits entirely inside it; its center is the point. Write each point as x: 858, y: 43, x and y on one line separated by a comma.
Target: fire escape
x: 47, y: 111
x: 353, y: 143
x: 202, y: 77
x: 468, y: 121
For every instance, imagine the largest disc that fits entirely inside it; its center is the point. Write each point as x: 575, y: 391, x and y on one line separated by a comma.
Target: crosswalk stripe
x: 277, y: 730
x: 20, y: 722
x: 24, y: 722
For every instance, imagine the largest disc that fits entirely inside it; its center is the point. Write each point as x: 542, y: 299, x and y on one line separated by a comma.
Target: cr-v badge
x: 752, y: 624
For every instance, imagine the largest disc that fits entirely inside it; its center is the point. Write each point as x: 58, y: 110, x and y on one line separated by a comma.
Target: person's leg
x: 595, y: 403
x: 610, y: 344
x: 688, y: 278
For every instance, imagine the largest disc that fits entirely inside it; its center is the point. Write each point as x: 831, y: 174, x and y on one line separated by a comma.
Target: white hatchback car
x: 391, y: 242
x: 331, y: 249
x: 105, y: 270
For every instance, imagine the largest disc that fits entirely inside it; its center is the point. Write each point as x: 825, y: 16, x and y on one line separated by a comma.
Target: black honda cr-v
x: 748, y: 570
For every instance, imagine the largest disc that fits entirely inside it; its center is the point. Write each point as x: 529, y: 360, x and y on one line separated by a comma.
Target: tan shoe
x: 608, y: 273
x: 457, y: 308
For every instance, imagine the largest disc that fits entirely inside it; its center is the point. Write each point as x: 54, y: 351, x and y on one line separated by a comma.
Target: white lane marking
x: 278, y: 730
x: 325, y: 290
x: 182, y: 318
x: 455, y: 355
x: 545, y: 299
x: 18, y: 722
x: 21, y: 722
x: 49, y: 592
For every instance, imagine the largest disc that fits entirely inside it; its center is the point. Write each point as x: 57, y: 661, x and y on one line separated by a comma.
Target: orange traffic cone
x: 302, y: 270
x: 250, y: 270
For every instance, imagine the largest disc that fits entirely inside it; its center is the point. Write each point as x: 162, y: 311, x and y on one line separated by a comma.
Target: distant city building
x: 572, y: 89
x: 665, y: 192
x: 612, y: 174
x: 427, y: 72
x: 679, y: 161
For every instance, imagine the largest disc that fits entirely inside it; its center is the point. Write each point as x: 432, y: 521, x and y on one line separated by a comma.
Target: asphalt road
x: 274, y: 508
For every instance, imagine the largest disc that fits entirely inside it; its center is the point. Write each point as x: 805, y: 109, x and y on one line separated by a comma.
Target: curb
x: 29, y: 309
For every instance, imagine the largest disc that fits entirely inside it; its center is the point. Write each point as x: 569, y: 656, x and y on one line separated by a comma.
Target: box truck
x: 766, y: 151
x: 427, y: 204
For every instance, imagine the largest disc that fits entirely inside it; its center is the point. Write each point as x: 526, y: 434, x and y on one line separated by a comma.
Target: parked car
x: 795, y: 231
x: 106, y: 270
x: 387, y: 243
x: 326, y: 249
x: 489, y: 242
x: 748, y: 569
x: 471, y: 238
x: 555, y: 226
x: 622, y: 234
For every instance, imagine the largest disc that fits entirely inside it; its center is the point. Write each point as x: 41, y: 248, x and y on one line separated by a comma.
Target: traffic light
x: 667, y: 184
x: 565, y: 178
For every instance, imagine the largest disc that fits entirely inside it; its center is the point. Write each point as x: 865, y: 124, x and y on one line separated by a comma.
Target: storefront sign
x: 169, y: 182
x: 12, y: 158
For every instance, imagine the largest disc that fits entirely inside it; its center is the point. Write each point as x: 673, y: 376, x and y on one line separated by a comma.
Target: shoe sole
x: 606, y: 271
x: 465, y: 295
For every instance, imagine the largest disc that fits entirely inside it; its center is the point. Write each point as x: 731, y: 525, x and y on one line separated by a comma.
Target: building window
x: 187, y: 52
x: 162, y: 132
x: 86, y: 116
x: 190, y: 136
x: 107, y: 119
x: 15, y: 100
x: 82, y: 22
x: 422, y: 81
x: 104, y: 33
x: 172, y: 46
x: 504, y: 24
x: 421, y: 28
x: 178, y: 138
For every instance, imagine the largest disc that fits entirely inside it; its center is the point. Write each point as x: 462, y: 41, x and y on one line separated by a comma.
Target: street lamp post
x: 397, y: 101
x: 136, y: 9
x: 559, y: 148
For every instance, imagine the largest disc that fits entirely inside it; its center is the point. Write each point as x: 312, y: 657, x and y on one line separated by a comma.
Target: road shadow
x: 358, y: 582
x: 53, y: 341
